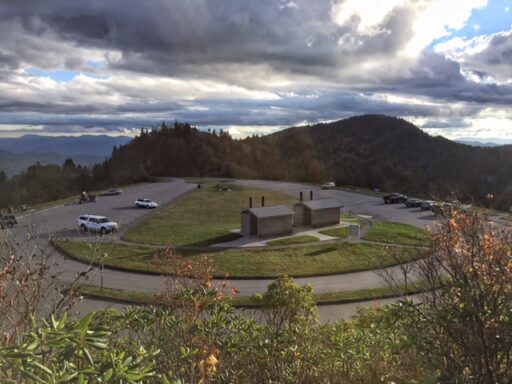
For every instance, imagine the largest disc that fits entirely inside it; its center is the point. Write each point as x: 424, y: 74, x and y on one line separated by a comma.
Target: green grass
x: 396, y: 233
x: 312, y: 260
x: 294, y: 240
x: 342, y: 231
x: 204, y: 217
x: 252, y: 301
x: 336, y: 232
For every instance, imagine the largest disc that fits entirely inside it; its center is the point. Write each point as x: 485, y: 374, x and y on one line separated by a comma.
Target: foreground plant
x: 463, y: 327
x: 63, y: 351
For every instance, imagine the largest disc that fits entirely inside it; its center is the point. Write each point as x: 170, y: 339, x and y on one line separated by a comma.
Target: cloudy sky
x: 254, y: 66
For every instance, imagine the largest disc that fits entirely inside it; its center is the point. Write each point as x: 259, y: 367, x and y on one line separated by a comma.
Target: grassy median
x: 204, y: 217
x: 396, y: 233
x: 314, y: 260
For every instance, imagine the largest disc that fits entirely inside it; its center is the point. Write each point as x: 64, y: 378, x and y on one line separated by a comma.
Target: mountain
x: 372, y: 151
x: 477, y: 143
x: 16, y: 154
x: 88, y: 145
x: 392, y: 154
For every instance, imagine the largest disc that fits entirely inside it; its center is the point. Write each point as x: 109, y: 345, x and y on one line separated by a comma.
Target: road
x: 61, y: 222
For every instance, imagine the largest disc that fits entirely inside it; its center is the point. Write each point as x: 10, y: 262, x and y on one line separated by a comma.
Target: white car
x: 329, y: 185
x: 145, y: 203
x: 95, y: 223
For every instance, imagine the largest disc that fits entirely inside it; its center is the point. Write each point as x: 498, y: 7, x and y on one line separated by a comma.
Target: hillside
x: 391, y: 154
x: 369, y: 151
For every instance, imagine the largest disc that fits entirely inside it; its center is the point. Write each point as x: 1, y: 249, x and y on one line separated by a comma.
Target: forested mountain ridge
x: 370, y: 151
x: 391, y: 154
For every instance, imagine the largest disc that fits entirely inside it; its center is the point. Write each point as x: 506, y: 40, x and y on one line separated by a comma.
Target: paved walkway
x: 255, y: 241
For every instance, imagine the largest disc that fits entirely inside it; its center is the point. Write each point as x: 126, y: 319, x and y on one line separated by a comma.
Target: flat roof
x: 272, y: 211
x: 322, y: 204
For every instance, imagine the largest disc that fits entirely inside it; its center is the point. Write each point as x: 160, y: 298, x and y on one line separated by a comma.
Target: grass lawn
x: 252, y: 301
x: 336, y: 232
x: 396, y: 233
x: 239, y: 263
x: 350, y: 219
x: 204, y: 217
x: 294, y: 240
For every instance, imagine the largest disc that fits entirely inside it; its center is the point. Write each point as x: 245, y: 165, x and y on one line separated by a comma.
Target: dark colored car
x: 112, y: 192
x: 7, y: 221
x: 427, y: 205
x: 394, y: 198
x: 411, y: 202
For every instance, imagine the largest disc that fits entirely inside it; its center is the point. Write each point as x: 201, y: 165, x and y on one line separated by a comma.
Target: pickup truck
x: 93, y: 223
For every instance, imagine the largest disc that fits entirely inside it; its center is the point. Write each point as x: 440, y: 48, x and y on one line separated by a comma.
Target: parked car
x: 94, y: 223
x: 442, y: 209
x: 394, y: 198
x: 411, y: 202
x: 426, y: 205
x: 24, y: 207
x: 112, y: 192
x: 329, y: 185
x: 7, y: 221
x: 145, y: 203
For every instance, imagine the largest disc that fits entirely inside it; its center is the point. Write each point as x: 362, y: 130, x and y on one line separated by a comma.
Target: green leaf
x: 108, y: 374
x: 42, y: 367
x: 84, y: 323
x: 32, y: 376
x: 88, y: 356
x: 67, y: 378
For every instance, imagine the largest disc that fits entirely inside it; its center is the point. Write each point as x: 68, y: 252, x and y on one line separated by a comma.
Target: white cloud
x: 433, y: 19
x: 485, y: 53
x: 438, y: 18
x: 368, y: 14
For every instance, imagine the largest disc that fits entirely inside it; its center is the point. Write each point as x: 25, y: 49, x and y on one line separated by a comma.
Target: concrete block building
x: 317, y: 213
x: 267, y: 221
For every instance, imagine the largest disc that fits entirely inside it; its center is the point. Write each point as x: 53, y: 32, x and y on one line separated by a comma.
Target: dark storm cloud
x: 440, y: 78
x: 175, y: 37
x: 248, y: 44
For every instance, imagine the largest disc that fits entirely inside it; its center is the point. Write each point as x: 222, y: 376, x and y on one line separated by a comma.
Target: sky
x: 254, y: 66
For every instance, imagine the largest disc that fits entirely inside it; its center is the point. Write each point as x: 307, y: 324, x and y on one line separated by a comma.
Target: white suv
x: 145, y: 203
x: 95, y: 223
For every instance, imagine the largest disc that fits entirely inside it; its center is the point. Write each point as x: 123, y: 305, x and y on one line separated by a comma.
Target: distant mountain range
x: 477, y: 143
x: 16, y: 154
